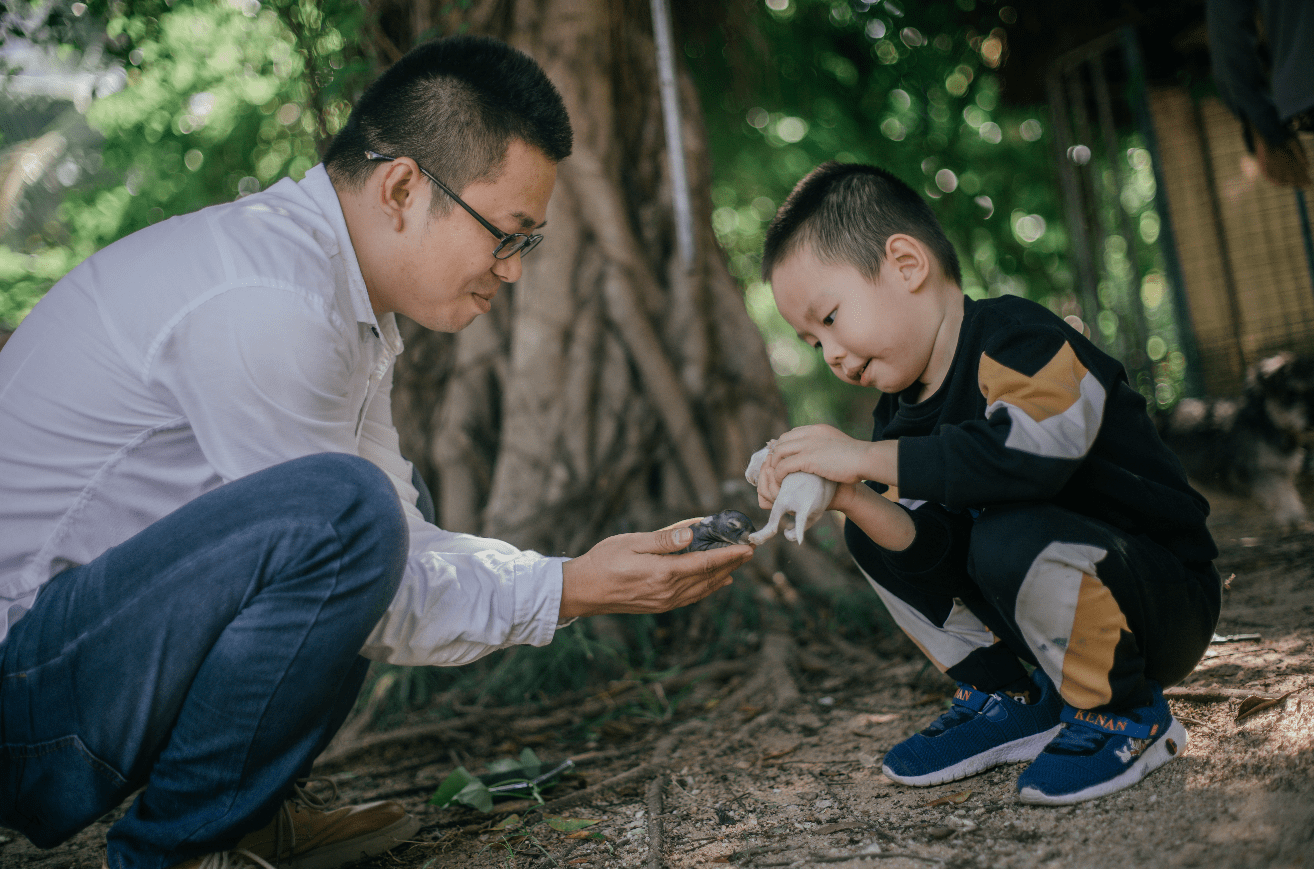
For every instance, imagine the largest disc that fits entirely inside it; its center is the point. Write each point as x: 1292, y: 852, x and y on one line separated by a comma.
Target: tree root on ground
x: 522, y: 719
x: 770, y: 668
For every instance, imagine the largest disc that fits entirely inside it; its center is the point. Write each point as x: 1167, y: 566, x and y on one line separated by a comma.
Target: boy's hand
x: 818, y: 449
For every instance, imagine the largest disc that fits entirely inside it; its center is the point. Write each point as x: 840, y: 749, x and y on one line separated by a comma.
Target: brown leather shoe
x: 304, y: 835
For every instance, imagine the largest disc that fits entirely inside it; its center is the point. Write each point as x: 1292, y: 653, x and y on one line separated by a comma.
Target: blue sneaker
x: 978, y: 732
x: 1096, y: 754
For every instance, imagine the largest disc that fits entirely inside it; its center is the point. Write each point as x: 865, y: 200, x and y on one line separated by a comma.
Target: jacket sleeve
x: 933, y: 562
x: 1043, y: 411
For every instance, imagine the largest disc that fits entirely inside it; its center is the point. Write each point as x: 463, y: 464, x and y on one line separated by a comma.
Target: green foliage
x: 910, y: 87
x: 1133, y: 280
x: 223, y: 98
x: 462, y: 787
x: 507, y: 778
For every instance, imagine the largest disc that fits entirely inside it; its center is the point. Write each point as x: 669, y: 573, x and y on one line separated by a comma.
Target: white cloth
x: 205, y: 348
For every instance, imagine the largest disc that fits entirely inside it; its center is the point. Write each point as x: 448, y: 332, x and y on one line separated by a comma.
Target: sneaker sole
x: 350, y: 851
x: 1168, y: 746
x: 1019, y: 750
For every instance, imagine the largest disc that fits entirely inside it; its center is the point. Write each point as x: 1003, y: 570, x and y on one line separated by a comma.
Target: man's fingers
x: 697, y: 592
x: 672, y: 538
x: 726, y: 557
x: 683, y: 523
x: 715, y: 572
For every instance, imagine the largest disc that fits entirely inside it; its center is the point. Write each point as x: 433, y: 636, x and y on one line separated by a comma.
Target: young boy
x: 1032, y: 518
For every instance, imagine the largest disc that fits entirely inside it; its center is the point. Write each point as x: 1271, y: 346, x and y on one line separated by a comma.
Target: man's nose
x: 508, y: 270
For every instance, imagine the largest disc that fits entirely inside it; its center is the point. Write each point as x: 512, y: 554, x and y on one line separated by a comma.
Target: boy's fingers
x: 767, y: 489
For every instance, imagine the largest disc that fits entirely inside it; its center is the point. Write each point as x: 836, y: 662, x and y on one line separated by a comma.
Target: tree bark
x: 610, y: 389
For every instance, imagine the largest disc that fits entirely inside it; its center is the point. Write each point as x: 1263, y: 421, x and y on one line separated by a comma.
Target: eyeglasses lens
x: 516, y: 243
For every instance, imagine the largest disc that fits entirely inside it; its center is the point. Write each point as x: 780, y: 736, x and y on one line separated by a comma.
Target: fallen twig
x: 589, y: 793
x: 880, y: 855
x: 1194, y: 721
x: 1214, y: 695
x: 654, y: 799
x: 1213, y: 655
x: 439, y: 729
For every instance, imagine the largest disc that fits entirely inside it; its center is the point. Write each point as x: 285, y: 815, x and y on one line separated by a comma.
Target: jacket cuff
x: 921, y: 469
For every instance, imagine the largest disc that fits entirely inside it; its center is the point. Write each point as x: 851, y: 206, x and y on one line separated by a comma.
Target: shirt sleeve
x: 261, y: 390
x: 462, y: 596
x: 1044, y: 409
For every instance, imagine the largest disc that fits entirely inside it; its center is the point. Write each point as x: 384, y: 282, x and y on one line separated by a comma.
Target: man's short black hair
x: 845, y: 212
x: 453, y: 105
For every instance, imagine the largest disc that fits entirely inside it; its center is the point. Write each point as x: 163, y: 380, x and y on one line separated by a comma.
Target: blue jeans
x: 209, y: 659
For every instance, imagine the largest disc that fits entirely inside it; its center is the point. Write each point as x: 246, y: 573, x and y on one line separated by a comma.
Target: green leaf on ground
x: 569, y: 825
x: 462, y: 787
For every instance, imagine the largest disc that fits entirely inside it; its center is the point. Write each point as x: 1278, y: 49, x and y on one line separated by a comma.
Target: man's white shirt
x: 205, y: 348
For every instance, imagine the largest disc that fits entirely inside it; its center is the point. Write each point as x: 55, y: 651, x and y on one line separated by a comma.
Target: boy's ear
x: 910, y: 259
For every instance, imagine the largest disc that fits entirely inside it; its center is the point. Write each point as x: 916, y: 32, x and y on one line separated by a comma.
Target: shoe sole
x: 1167, y: 747
x: 340, y: 854
x: 1019, y: 750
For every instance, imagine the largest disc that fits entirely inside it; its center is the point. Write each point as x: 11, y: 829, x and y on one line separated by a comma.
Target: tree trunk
x: 610, y: 389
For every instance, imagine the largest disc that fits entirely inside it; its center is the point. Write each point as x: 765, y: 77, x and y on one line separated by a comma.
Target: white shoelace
x: 238, y: 859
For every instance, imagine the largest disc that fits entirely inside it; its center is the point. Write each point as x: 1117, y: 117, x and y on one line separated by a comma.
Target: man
x: 1270, y: 90
x: 206, y: 519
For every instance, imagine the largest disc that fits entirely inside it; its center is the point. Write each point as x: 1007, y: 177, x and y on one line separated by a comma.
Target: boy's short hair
x: 845, y: 212
x: 453, y: 105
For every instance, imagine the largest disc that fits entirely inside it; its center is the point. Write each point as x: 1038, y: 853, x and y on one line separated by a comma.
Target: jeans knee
x: 361, y: 503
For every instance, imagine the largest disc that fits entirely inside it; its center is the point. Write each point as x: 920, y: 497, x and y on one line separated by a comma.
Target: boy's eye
x: 829, y: 320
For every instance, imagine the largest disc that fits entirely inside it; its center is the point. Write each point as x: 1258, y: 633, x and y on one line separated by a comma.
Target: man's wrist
x: 573, y: 580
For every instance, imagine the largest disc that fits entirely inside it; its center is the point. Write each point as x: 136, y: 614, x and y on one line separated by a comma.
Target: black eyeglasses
x: 507, y: 245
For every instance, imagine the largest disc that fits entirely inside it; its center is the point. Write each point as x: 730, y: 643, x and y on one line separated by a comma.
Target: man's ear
x: 910, y: 259
x: 395, y: 190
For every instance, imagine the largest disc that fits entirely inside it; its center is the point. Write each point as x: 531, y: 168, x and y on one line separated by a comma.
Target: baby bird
x: 802, y: 500
x: 724, y: 529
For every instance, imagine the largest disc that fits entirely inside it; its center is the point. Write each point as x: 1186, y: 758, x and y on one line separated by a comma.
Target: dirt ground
x: 774, y: 760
